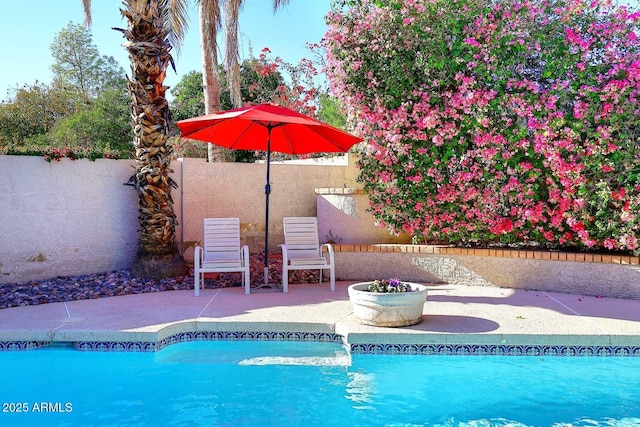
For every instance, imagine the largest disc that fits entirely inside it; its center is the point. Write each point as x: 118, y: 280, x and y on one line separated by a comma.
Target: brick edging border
x: 497, y: 253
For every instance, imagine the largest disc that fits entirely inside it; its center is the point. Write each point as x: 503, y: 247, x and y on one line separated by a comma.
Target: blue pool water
x: 257, y: 383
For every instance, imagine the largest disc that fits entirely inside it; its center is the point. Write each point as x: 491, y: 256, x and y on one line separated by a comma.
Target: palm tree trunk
x: 231, y: 52
x: 148, y: 48
x: 209, y: 15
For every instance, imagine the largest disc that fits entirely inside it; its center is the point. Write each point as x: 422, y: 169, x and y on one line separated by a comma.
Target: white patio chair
x: 221, y: 252
x: 302, y: 251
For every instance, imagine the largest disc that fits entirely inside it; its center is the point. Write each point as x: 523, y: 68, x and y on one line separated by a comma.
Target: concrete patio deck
x: 453, y: 315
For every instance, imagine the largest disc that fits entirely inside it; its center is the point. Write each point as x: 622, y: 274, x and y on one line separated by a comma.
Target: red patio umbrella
x: 267, y: 127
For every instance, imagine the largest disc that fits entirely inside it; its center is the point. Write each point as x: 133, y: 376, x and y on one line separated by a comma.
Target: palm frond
x: 277, y: 4
x: 176, y: 21
x: 210, y: 11
x: 210, y: 22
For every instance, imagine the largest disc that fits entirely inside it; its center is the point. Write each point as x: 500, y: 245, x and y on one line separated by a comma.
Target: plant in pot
x: 388, y: 302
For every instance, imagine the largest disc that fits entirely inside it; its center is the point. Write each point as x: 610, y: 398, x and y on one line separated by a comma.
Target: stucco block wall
x: 237, y: 190
x: 380, y: 265
x: 66, y: 218
x: 616, y: 277
x: 581, y: 278
x: 76, y: 217
x: 343, y: 218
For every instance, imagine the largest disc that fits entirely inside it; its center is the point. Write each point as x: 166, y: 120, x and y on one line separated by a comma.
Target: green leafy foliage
x: 78, y: 64
x: 330, y: 112
x: 103, y: 125
x: 262, y: 80
x: 83, y: 113
x: 188, y: 97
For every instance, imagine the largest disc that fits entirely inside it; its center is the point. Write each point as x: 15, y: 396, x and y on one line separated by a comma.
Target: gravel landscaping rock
x: 116, y: 283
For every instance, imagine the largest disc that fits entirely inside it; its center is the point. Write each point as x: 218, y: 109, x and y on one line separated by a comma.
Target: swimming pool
x: 267, y: 383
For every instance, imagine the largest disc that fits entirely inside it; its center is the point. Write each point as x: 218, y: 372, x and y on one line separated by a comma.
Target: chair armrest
x: 197, y: 257
x: 330, y: 250
x: 285, y: 256
x: 245, y: 254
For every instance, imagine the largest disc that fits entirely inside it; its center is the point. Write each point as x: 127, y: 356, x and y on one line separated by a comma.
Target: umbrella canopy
x: 246, y: 129
x: 267, y: 127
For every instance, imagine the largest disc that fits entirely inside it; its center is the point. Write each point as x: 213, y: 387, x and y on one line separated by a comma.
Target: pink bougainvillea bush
x: 495, y: 121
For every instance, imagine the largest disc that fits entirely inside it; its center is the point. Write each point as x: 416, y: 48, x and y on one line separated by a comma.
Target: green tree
x: 78, y: 63
x: 262, y: 79
x: 34, y: 110
x: 100, y: 123
x: 188, y: 97
x: 101, y: 127
x: 84, y: 112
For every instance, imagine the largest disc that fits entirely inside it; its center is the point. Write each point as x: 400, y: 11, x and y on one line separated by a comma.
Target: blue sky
x: 29, y: 27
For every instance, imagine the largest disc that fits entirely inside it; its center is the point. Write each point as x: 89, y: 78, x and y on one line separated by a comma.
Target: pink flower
x: 578, y: 227
x: 580, y: 109
x: 630, y: 242
x: 619, y: 194
x: 503, y: 226
x: 472, y: 42
x: 416, y: 179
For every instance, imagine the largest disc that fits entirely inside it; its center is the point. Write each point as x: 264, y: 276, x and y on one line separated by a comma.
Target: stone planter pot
x: 387, y: 309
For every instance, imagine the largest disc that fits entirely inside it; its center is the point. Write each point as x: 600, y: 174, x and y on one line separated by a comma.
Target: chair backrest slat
x: 301, y: 237
x: 222, y: 239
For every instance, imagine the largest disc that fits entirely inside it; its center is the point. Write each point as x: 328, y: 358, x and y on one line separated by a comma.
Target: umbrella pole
x: 267, y: 190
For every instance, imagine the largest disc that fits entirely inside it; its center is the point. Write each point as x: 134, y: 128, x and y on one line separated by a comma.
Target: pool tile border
x: 359, y: 348
x: 495, y: 350
x: 22, y: 345
x: 207, y: 336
